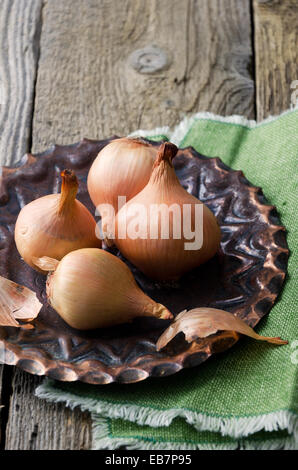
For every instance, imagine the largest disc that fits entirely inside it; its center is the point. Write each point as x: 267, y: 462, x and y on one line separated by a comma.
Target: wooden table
x: 93, y: 68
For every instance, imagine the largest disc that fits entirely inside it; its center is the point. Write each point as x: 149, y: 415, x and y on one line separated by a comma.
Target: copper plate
x: 245, y: 278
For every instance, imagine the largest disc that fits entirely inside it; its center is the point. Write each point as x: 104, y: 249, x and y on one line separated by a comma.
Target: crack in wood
x: 5, y: 397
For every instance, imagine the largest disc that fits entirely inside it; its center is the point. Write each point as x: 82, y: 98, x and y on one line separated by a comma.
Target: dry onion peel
x: 203, y: 322
x: 45, y: 263
x: 17, y: 303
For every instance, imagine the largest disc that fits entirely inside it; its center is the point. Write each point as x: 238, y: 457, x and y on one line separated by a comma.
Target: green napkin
x: 246, y: 397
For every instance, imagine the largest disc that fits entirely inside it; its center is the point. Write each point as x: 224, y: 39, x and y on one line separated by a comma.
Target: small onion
x: 55, y: 224
x: 122, y: 168
x: 91, y: 288
x: 166, y: 257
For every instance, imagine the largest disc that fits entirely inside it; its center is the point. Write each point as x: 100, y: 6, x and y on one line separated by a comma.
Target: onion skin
x: 205, y: 321
x: 122, y: 168
x: 91, y: 288
x: 55, y: 225
x: 17, y: 303
x: 166, y: 259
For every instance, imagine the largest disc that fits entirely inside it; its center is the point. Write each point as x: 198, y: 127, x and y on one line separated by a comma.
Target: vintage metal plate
x: 244, y: 279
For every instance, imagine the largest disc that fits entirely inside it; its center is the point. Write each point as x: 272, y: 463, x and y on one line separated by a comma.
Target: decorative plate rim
x: 97, y: 372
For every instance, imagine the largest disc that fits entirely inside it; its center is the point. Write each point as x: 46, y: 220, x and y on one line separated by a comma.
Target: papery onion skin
x: 205, y: 321
x: 17, y: 302
x: 122, y: 168
x: 92, y: 288
x: 166, y: 259
x: 55, y: 225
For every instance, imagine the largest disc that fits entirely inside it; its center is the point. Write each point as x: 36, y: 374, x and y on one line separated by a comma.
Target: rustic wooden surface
x: 71, y: 70
x: 276, y: 54
x: 20, y: 27
x: 86, y: 86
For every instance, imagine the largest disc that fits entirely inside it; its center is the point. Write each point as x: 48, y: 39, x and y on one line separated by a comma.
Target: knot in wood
x: 149, y: 59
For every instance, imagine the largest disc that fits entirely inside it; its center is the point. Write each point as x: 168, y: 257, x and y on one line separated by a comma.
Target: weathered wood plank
x: 1, y: 373
x: 35, y: 424
x: 19, y: 38
x: 276, y: 38
x: 1, y: 404
x: 86, y: 87
x: 20, y: 25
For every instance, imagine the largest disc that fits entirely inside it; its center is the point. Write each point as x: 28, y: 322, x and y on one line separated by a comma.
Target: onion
x: 122, y: 168
x: 160, y: 246
x: 55, y: 224
x: 91, y: 288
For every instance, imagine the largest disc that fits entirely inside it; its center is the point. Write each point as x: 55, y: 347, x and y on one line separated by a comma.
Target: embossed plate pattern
x: 245, y: 278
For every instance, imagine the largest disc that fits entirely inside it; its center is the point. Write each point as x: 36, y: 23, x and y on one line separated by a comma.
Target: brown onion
x: 91, y: 288
x: 56, y: 224
x: 166, y: 256
x: 122, y: 168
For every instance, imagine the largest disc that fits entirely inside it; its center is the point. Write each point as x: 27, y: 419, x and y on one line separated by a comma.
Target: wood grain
x: 36, y: 424
x: 1, y: 401
x: 19, y: 39
x: 276, y: 39
x: 86, y: 87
